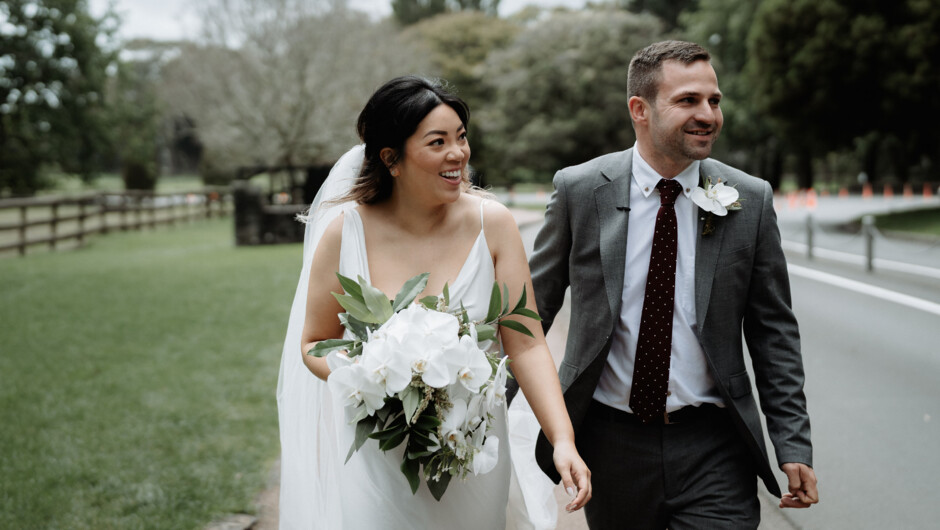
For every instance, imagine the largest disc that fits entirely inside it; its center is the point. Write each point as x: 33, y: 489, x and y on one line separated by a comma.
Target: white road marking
x: 864, y: 288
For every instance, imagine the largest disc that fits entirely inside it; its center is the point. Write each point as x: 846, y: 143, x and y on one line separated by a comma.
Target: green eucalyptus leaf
x: 485, y: 332
x: 354, y: 325
x: 446, y: 295
x: 363, y: 430
x: 429, y: 302
x: 505, y: 299
x: 522, y: 300
x: 393, y: 441
x: 420, y: 439
x: 357, y: 309
x: 428, y: 422
x: 326, y: 346
x: 410, y: 399
x: 526, y: 312
x: 438, y: 487
x: 516, y: 326
x: 356, y: 351
x: 409, y: 291
x: 495, y: 303
x: 378, y: 304
x: 350, y: 286
x: 410, y: 467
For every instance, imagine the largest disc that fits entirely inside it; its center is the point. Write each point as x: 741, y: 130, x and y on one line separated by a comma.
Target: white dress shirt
x: 690, y: 383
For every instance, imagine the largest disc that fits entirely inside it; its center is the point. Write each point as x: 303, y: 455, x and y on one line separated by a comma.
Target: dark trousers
x: 693, y: 474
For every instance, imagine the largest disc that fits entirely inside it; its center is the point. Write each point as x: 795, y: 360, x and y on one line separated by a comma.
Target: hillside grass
x: 137, y: 378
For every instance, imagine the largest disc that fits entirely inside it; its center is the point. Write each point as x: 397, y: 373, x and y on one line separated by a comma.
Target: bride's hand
x: 575, y: 474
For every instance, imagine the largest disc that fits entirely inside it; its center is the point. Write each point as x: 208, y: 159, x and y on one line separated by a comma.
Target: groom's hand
x: 802, y: 486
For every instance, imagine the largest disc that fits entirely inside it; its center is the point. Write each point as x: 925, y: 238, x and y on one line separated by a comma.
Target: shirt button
x: 668, y: 393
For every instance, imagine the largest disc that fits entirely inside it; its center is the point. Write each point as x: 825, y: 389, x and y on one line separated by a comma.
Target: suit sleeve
x: 773, y: 340
x: 549, y: 261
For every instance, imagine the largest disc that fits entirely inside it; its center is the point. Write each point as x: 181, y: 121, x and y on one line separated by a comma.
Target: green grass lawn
x: 137, y: 378
x: 926, y: 221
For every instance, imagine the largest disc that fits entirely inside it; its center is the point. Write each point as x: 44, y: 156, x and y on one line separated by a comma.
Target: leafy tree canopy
x: 560, y: 94
x: 832, y: 71
x: 54, y: 59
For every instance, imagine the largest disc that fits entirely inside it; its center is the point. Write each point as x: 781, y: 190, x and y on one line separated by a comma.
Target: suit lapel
x: 707, y: 249
x: 612, y: 200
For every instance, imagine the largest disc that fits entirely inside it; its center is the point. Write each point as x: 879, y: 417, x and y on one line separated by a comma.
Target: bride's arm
x: 321, y: 321
x: 532, y: 363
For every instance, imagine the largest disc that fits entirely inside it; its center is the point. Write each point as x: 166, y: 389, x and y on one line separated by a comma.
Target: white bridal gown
x: 370, y: 491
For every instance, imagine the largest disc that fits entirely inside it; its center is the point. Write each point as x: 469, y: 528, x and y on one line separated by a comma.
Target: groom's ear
x: 639, y: 110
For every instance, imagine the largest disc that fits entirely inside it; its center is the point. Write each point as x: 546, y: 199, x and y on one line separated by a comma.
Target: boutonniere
x: 715, y: 199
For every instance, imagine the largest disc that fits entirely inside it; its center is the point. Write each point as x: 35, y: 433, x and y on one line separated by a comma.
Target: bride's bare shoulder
x: 332, y: 236
x: 495, y: 214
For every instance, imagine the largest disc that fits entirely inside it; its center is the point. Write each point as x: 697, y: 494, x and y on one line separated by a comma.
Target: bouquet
x: 413, y: 373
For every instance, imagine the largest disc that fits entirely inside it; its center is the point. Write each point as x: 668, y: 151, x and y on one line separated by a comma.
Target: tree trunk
x: 804, y: 169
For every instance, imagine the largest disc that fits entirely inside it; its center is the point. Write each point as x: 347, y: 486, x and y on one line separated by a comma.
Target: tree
x: 54, y: 59
x: 408, y: 12
x: 280, y: 82
x: 837, y: 73
x: 668, y: 11
x: 560, y: 94
x: 458, y: 45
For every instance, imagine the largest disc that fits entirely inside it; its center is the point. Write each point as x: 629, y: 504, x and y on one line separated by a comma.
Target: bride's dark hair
x: 391, y: 116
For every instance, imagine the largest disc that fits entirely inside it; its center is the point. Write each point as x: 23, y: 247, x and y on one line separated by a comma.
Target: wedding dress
x: 369, y: 491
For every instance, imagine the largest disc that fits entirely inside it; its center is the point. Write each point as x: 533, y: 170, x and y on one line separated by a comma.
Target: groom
x: 661, y: 290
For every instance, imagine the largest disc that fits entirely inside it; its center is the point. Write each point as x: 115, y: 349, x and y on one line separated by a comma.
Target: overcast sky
x: 175, y: 19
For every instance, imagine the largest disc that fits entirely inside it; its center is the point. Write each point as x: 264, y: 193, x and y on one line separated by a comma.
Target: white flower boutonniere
x: 716, y: 199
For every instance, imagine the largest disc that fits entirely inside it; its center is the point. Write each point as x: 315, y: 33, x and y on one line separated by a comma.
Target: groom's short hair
x: 646, y: 67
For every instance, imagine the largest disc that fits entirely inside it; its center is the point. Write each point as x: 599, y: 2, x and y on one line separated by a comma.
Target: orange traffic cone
x: 908, y: 191
x: 811, y: 199
x: 889, y: 191
x: 866, y: 191
x: 928, y: 191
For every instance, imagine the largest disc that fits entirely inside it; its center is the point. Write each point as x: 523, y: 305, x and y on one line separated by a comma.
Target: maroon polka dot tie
x: 651, y: 369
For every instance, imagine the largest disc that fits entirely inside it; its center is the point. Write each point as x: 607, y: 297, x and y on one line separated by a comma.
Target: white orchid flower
x: 386, y: 365
x: 715, y: 198
x: 354, y: 386
x: 473, y: 369
x: 339, y: 359
x: 417, y: 322
x: 485, y: 460
x: 452, y: 427
x: 495, y: 390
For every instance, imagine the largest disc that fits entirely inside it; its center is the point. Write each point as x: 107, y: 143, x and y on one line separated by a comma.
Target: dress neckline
x: 464, y: 268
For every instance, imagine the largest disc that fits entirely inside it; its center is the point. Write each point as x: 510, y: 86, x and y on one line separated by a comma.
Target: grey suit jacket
x: 741, y: 283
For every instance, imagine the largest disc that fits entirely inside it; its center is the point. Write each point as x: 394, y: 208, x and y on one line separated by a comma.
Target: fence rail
x: 48, y: 221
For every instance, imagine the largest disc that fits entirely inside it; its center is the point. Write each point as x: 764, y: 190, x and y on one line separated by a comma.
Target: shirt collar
x: 646, y: 177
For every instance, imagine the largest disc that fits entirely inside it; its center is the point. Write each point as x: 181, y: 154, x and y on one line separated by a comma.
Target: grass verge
x: 925, y: 222
x: 137, y: 378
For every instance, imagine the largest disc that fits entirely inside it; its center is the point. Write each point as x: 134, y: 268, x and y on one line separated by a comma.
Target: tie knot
x: 669, y: 190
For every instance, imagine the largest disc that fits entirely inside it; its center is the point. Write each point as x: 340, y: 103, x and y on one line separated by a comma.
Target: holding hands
x: 802, y: 486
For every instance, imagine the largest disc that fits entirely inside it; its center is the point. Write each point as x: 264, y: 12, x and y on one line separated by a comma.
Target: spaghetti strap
x: 481, y: 213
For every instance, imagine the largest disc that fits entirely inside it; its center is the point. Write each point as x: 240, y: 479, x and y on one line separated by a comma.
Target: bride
x: 396, y: 207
